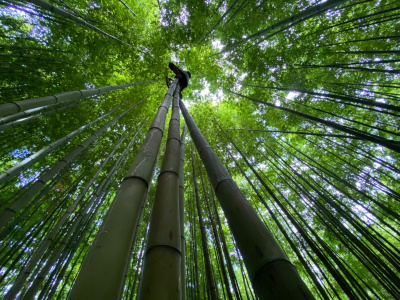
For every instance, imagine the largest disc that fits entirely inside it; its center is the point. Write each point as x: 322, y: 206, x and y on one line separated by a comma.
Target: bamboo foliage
x: 315, y: 151
x: 47, y: 6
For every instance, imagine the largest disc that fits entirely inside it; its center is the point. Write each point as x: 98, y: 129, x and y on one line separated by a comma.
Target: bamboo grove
x: 275, y: 177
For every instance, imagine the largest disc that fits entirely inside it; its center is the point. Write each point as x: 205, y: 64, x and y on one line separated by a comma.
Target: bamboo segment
x: 14, y: 120
x: 271, y: 273
x: 16, y: 107
x: 162, y: 260
x: 102, y: 272
x: 182, y: 213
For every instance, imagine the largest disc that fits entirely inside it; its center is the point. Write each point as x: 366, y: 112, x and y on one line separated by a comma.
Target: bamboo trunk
x: 206, y: 253
x: 270, y: 271
x: 161, y: 278
x: 102, y: 272
x: 182, y: 213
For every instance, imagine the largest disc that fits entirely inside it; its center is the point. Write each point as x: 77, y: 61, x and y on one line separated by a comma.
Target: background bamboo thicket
x: 298, y: 101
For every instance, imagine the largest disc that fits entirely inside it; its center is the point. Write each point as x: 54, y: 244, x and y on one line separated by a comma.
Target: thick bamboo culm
x: 271, y: 273
x: 161, y: 277
x: 102, y: 272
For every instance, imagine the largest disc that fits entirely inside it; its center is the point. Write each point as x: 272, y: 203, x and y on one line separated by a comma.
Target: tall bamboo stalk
x: 393, y: 145
x: 102, y: 272
x: 162, y: 260
x: 204, y: 240
x: 216, y: 239
x: 182, y: 212
x: 270, y: 271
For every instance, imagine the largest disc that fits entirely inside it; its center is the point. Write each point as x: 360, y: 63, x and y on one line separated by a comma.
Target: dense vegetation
x: 299, y: 100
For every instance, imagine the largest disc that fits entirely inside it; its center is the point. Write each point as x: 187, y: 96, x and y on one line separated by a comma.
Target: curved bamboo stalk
x: 331, y: 95
x: 20, y: 119
x: 161, y: 277
x: 100, y: 276
x: 15, y: 107
x: 271, y: 273
x: 296, y: 132
x: 130, y: 9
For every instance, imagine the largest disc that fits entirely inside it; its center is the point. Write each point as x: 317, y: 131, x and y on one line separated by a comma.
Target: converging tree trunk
x: 103, y: 270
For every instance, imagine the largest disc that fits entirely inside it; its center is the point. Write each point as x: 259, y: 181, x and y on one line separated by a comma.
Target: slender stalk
x: 204, y: 240
x: 182, y: 213
x: 23, y: 200
x: 395, y: 146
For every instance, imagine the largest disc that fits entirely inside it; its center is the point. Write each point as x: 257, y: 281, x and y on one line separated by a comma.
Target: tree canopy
x: 298, y: 99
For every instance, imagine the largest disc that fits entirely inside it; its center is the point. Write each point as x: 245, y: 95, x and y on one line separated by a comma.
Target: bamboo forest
x: 273, y: 175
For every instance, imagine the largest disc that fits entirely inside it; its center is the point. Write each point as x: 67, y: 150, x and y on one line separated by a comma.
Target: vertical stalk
x: 182, y: 213
x: 216, y: 238
x: 162, y: 260
x: 206, y: 254
x: 102, y: 272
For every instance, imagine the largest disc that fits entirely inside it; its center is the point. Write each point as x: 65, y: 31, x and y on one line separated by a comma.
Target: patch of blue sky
x: 27, y: 177
x: 31, y: 16
x: 20, y: 153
